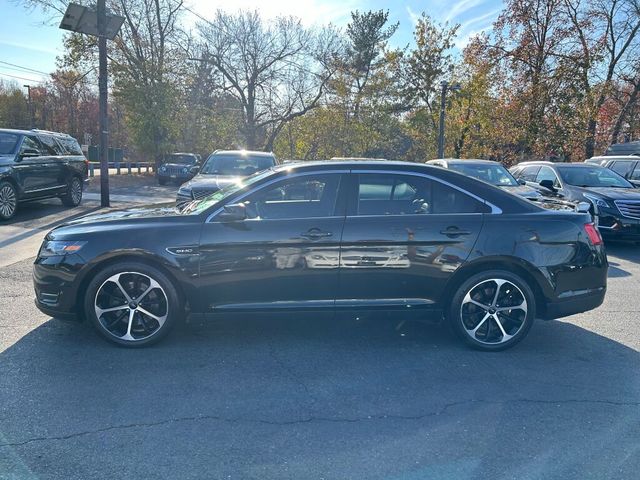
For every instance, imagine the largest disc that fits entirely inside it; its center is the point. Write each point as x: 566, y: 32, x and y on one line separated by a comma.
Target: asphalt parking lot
x: 311, y: 397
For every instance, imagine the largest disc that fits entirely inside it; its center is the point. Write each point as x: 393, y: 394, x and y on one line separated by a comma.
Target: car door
x: 30, y: 167
x: 404, y: 236
x: 54, y: 163
x: 283, y: 255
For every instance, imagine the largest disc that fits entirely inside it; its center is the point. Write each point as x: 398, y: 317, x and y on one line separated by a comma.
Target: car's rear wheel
x: 493, y: 310
x: 132, y: 304
x: 73, y: 196
x: 8, y: 200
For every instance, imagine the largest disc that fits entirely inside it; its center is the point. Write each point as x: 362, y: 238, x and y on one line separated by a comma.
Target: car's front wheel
x: 493, y: 310
x: 132, y: 304
x: 73, y: 195
x: 8, y: 200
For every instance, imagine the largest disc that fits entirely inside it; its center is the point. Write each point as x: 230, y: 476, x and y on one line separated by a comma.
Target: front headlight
x: 60, y: 247
x: 596, y: 201
x: 185, y: 170
x: 184, y: 192
x: 163, y: 169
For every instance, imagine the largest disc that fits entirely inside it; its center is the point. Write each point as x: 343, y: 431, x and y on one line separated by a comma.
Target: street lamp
x: 98, y: 23
x: 31, y: 120
x: 443, y: 105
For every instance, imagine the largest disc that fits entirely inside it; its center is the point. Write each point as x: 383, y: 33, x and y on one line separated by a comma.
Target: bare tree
x: 276, y: 70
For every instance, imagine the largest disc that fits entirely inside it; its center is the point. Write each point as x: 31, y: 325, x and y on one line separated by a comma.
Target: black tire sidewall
x: 67, y: 199
x: 4, y: 183
x: 453, y: 314
x: 167, y: 285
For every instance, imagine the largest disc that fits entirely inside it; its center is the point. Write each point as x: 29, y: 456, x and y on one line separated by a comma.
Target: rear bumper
x: 577, y: 302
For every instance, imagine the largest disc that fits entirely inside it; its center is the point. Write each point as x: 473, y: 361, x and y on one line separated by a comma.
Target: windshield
x: 183, y: 159
x: 493, y: 174
x: 236, y: 165
x: 198, y: 206
x: 591, y: 176
x: 8, y: 142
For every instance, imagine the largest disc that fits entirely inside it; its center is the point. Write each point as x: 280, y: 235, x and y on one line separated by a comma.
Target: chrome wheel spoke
x: 130, y: 321
x: 499, y: 324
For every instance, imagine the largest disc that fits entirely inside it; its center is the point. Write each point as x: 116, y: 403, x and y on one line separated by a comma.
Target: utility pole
x: 31, y: 119
x: 104, y: 114
x: 443, y: 106
x: 98, y: 23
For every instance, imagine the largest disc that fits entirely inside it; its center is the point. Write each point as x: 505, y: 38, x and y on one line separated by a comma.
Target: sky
x: 31, y: 40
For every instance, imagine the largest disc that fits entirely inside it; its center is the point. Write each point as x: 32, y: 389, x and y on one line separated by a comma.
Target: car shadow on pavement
x: 296, y: 397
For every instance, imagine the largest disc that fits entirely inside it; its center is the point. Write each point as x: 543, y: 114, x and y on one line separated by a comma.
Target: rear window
x: 8, y: 143
x: 70, y: 146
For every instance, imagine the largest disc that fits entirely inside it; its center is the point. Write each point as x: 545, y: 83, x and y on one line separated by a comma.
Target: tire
x: 162, y: 181
x: 73, y: 196
x: 126, y: 323
x: 8, y: 200
x: 492, y: 327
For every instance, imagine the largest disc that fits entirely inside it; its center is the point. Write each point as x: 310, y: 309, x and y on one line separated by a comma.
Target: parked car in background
x: 223, y: 168
x: 615, y: 202
x: 628, y: 166
x: 496, y: 174
x: 423, y: 242
x: 36, y: 164
x: 627, y: 148
x: 177, y: 167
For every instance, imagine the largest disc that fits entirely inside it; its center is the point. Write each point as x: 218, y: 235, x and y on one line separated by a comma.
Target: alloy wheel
x: 76, y: 191
x: 8, y: 201
x: 131, y: 306
x: 493, y: 311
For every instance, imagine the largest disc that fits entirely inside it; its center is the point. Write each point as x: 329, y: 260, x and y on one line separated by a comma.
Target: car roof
x: 34, y: 131
x: 558, y: 164
x: 253, y: 153
x: 633, y: 158
x: 458, y: 161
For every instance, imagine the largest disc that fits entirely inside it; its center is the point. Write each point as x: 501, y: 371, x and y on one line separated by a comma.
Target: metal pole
x: 104, y: 119
x: 443, y: 102
x: 28, y: 87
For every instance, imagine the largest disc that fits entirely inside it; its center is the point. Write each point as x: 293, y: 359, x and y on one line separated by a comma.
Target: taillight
x: 592, y: 232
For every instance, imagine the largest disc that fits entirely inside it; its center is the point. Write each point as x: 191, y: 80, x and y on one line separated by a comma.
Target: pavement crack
x: 312, y: 418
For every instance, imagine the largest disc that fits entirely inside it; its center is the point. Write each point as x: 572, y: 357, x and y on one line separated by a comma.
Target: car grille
x: 629, y: 208
x: 173, y: 170
x: 201, y: 193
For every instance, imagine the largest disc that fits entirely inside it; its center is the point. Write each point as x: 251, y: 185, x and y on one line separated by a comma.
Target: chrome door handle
x: 315, y: 234
x: 454, y: 232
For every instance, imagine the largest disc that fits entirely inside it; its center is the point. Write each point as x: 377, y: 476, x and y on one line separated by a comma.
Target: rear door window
x: 50, y: 146
x: 395, y: 194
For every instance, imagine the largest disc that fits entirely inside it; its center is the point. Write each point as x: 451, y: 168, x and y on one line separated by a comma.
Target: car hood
x: 211, y: 182
x: 523, y: 191
x: 612, y: 193
x: 177, y: 165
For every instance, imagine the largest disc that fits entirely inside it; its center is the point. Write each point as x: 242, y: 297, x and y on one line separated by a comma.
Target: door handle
x: 454, y: 232
x: 315, y: 234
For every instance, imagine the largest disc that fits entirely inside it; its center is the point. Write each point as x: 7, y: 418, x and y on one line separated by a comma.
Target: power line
x: 19, y: 78
x: 24, y: 68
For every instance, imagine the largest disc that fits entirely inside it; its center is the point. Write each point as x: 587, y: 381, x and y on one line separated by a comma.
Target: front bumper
x: 576, y: 302
x: 614, y: 226
x: 55, y: 290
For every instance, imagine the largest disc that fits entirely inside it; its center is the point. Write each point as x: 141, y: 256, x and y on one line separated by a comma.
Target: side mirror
x: 233, y: 213
x: 548, y: 184
x: 583, y: 207
x: 195, y: 169
x: 522, y: 182
x: 29, y: 152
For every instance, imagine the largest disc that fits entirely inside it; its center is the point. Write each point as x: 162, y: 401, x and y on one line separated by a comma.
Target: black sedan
x: 423, y: 242
x: 615, y: 202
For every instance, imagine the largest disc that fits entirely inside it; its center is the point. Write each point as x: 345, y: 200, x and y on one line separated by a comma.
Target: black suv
x: 36, y: 164
x: 222, y: 168
x: 178, y: 167
x: 615, y: 202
